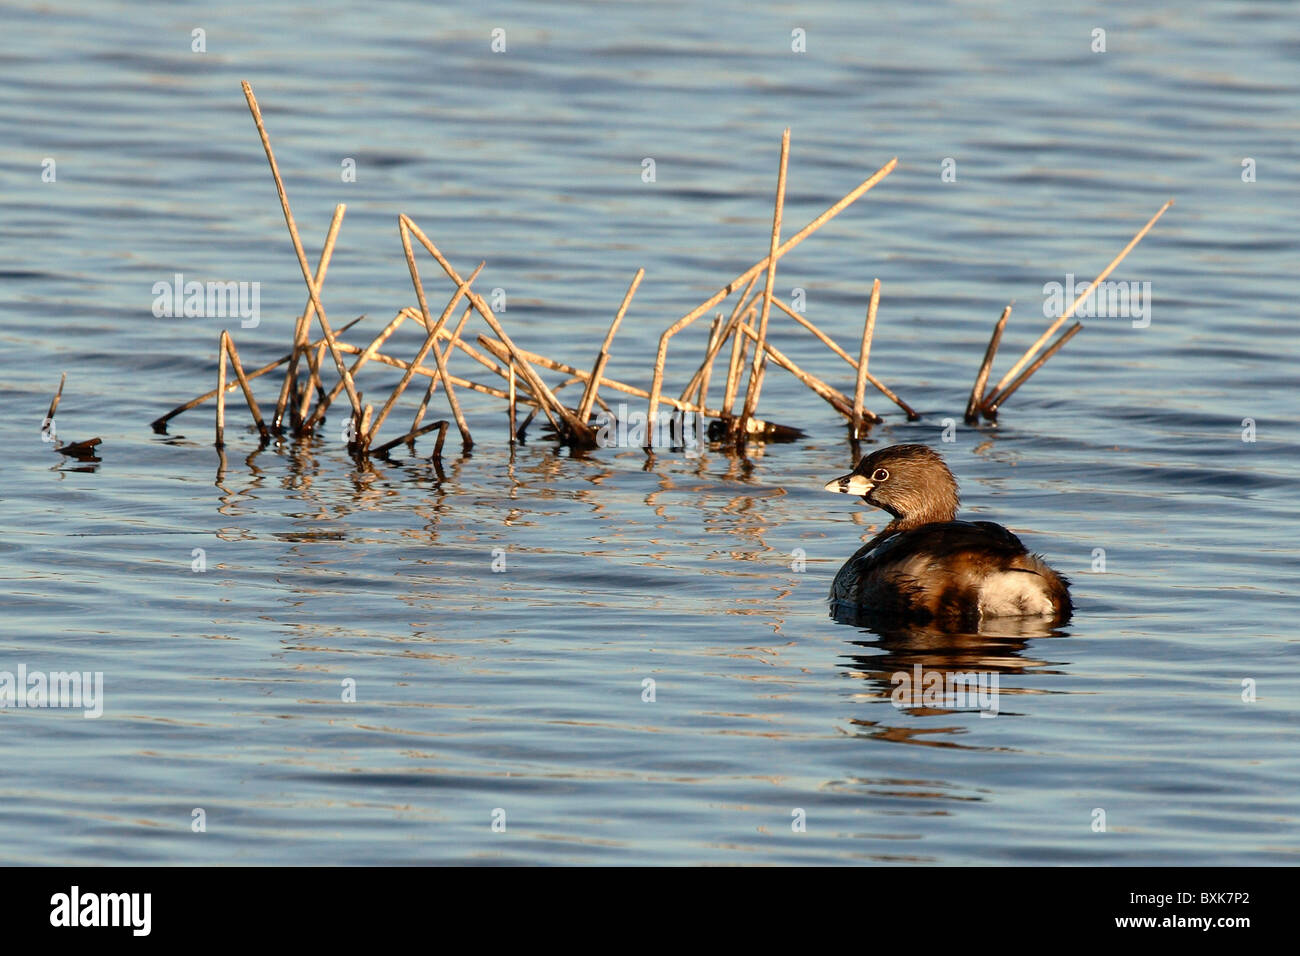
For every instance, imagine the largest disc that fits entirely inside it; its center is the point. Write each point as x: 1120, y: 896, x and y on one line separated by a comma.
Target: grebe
x: 926, y: 565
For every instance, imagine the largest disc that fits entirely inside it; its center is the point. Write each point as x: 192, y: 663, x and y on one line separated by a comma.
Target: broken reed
x: 83, y: 450
x: 746, y: 327
x: 986, y: 402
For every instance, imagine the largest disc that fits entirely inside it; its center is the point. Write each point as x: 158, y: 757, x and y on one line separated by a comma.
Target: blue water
x: 516, y: 695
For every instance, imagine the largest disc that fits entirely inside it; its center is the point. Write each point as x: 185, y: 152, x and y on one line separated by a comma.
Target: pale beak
x: 851, y: 485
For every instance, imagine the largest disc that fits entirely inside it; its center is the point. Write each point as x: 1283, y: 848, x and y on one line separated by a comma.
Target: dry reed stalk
x: 543, y: 395
x: 982, y: 376
x: 221, y: 389
x: 315, y: 359
x: 990, y: 408
x: 575, y: 374
x: 425, y: 371
x: 472, y: 352
x: 437, y: 445
x: 295, y: 395
x: 1064, y: 316
x: 868, y: 329
x: 728, y: 332
x: 582, y: 375
x: 440, y: 360
x: 589, y: 396
x: 742, y: 307
x: 460, y: 326
x: 506, y: 355
x: 303, y: 325
x: 528, y: 421
x: 583, y: 380
x: 433, y: 382
x: 269, y: 367
x: 54, y: 405
x: 830, y: 213
x: 365, y: 356
x: 364, y: 428
x: 718, y: 335
x: 430, y: 340
x: 453, y: 337
x: 455, y: 340
x: 760, y: 354
x: 739, y: 345
x: 578, y: 430
x: 424, y: 404
x: 312, y: 290
x: 433, y: 329
x: 483, y: 360
x: 410, y: 436
x: 513, y: 432
x: 602, y: 358
x: 834, y: 347
x: 715, y: 342
x: 248, y: 389
x: 508, y: 373
x: 836, y: 399
x: 580, y: 379
x: 739, y: 349
x: 429, y: 344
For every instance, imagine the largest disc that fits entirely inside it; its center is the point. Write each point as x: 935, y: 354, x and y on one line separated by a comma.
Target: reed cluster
x: 740, y: 342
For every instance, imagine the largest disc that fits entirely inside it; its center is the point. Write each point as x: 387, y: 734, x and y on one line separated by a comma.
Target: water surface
x: 522, y: 690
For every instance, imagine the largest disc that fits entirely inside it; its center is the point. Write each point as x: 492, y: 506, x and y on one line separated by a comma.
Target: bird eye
x: 879, y: 474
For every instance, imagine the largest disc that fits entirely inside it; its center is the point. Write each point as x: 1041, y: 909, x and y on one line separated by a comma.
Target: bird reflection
x: 924, y: 670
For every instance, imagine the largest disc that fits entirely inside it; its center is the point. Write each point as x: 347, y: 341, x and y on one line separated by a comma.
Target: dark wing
x: 930, y: 571
x: 943, y: 540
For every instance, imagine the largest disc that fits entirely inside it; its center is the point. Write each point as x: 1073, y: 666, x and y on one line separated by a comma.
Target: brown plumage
x: 928, y: 566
